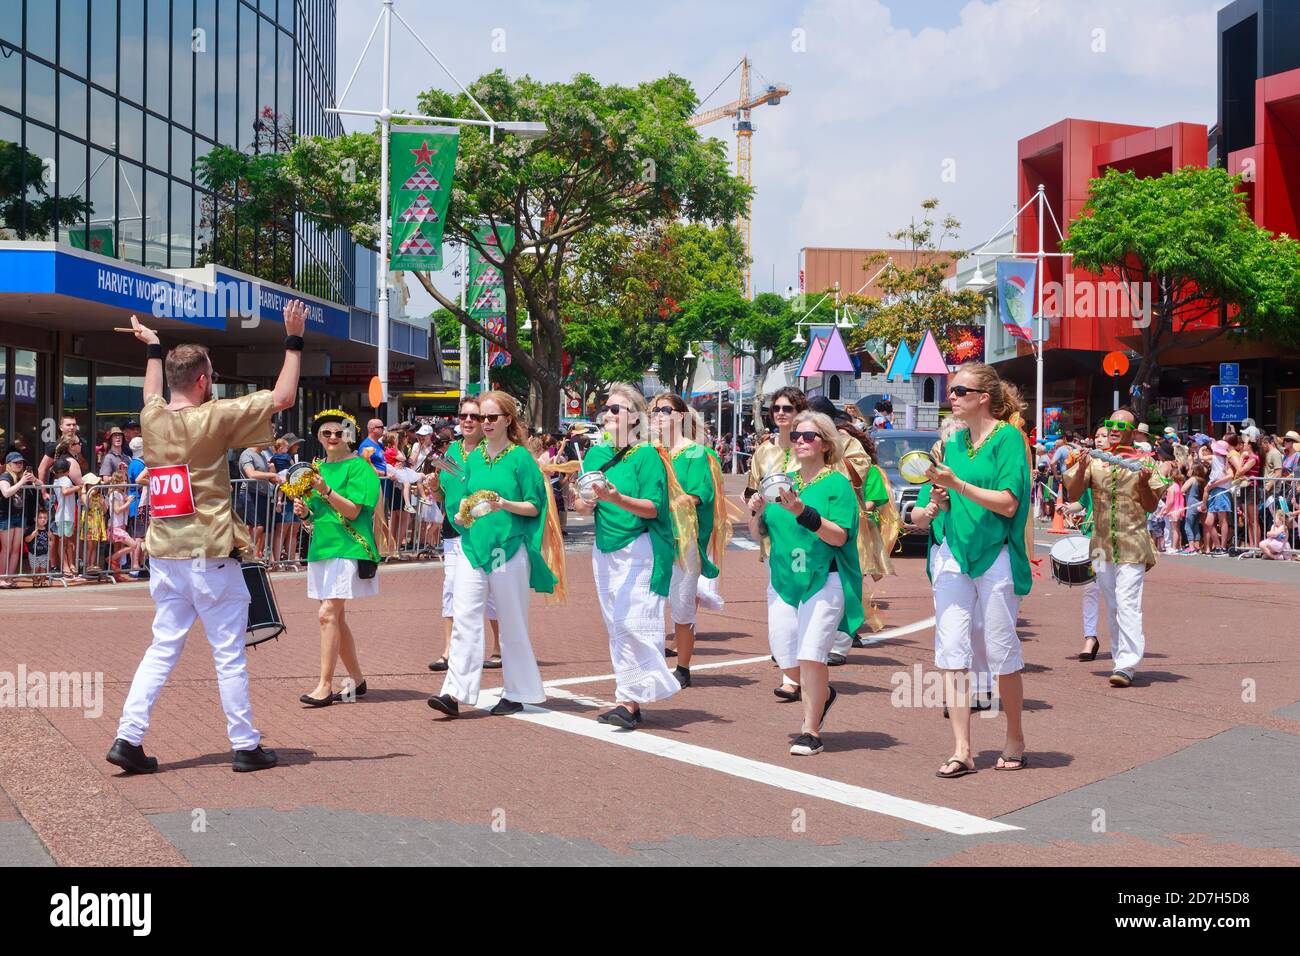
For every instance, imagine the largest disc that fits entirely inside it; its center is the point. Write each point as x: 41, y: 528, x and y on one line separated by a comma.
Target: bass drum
x: 264, y: 621
x: 1072, y: 561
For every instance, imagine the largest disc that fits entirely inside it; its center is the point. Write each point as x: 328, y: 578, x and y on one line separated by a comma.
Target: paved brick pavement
x: 1215, y: 709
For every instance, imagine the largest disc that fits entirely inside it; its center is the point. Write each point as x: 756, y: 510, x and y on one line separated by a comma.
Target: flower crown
x: 334, y: 413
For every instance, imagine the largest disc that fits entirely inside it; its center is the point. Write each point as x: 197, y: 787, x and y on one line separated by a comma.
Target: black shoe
x: 1092, y: 654
x: 620, y: 716
x: 829, y: 700
x: 311, y: 701
x: 358, y: 691
x: 858, y: 642
x: 790, y: 695
x: 806, y: 745
x: 259, y: 758
x: 491, y: 665
x: 131, y: 758
x: 440, y: 664
x: 836, y: 660
x: 506, y: 707
x: 683, y: 675
x: 445, y: 703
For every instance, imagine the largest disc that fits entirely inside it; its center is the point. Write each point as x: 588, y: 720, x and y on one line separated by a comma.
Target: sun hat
x: 1221, y: 447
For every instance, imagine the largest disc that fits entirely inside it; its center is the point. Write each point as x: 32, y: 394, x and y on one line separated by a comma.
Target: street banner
x: 722, y: 362
x: 1016, y: 296
x: 486, y: 293
x: 421, y: 163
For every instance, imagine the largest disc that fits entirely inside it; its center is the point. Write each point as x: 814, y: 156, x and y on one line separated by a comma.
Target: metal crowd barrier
x: 1256, y: 504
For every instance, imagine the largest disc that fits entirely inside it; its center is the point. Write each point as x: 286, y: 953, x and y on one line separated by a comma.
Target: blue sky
x: 886, y: 94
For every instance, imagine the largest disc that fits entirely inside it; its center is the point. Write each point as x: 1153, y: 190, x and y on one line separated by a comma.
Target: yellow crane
x: 739, y: 109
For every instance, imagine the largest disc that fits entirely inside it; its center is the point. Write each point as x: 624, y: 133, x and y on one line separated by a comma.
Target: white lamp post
x: 386, y: 115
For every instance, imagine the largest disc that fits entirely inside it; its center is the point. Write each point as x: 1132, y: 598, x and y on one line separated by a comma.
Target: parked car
x: 891, y: 445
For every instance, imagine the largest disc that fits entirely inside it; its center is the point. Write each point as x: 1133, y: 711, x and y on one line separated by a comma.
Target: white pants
x: 522, y: 681
x: 634, y: 618
x: 806, y: 632
x: 186, y: 590
x: 975, y: 618
x: 710, y: 594
x: 450, y: 561
x: 1091, y: 604
x: 683, y: 590
x: 1121, y: 586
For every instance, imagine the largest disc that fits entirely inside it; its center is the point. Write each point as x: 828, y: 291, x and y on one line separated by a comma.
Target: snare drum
x: 263, y: 613
x: 1072, y: 561
x: 772, y: 485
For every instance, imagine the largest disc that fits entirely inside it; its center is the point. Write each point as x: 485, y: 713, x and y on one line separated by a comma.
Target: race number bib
x: 170, y: 494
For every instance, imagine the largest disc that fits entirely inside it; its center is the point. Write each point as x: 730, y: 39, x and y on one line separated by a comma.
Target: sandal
x: 1022, y: 762
x: 961, y: 771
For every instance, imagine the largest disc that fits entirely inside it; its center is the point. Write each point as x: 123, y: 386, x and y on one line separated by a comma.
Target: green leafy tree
x: 1184, y: 239
x: 507, y: 377
x: 913, y: 299
x: 26, y: 206
x: 614, y: 157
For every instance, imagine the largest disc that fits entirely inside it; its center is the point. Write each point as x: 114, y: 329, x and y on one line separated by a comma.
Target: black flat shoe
x: 836, y: 660
x: 131, y: 758
x: 440, y: 664
x: 831, y: 698
x: 858, y: 642
x: 359, y: 691
x: 492, y: 664
x: 445, y: 703
x: 620, y: 716
x: 259, y: 758
x: 683, y: 675
x: 1090, y: 655
x: 504, y: 708
x: 311, y: 701
x: 790, y: 695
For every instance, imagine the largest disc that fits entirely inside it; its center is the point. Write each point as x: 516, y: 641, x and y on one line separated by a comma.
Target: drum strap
x: 622, y: 453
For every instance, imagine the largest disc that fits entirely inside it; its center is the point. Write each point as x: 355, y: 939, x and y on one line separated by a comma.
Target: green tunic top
x: 873, y: 489
x: 355, y: 480
x: 640, y: 474
x: 453, y: 489
x: 801, y: 560
x: 974, y: 534
x: 691, y: 466
x: 493, y: 539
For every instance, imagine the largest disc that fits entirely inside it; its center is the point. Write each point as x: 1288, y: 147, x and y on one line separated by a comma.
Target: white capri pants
x: 1121, y: 586
x: 710, y: 594
x: 186, y: 590
x: 1091, y: 606
x: 522, y: 681
x: 806, y: 632
x: 975, y: 618
x: 450, y: 561
x: 634, y: 618
x: 684, y: 589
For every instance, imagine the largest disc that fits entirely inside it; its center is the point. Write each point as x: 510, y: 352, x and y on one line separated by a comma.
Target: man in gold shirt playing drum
x: 1122, y: 551
x: 194, y: 539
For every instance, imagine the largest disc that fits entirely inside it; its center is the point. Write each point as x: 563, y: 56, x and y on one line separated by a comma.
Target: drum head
x: 296, y: 470
x: 1075, y: 549
x: 913, y: 466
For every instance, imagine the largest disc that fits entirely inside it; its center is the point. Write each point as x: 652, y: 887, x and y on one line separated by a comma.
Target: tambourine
x: 299, y: 478
x: 912, y: 467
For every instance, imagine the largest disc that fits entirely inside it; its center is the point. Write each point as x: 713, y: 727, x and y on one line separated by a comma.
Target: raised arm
x: 295, y: 324
x: 153, y: 370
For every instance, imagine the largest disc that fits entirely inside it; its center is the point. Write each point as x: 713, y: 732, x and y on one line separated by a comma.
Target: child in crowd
x: 1274, y: 545
x: 38, y: 545
x: 119, y: 511
x: 65, y: 516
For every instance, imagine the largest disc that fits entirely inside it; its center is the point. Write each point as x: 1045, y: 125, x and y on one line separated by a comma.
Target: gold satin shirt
x: 1119, y: 530
x: 200, y: 437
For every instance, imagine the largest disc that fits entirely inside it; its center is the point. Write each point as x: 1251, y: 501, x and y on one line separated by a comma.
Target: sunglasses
x: 331, y: 433
x: 470, y: 417
x: 961, y: 391
x: 808, y: 437
x: 490, y: 419
x: 664, y: 410
x: 782, y: 409
x: 1119, y: 426
x: 615, y: 409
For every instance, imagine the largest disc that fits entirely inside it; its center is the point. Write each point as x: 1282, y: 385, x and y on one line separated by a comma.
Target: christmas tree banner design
x: 486, y: 295
x: 421, y: 164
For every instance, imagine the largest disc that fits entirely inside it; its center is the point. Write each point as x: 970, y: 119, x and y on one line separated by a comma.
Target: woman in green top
x: 672, y: 422
x: 340, y: 506
x: 979, y: 564
x: 501, y: 555
x: 450, y: 489
x: 633, y: 556
x: 816, y: 584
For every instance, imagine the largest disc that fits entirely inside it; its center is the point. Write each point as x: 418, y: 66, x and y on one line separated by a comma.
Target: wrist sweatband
x: 293, y: 343
x: 154, y: 350
x: 809, y: 518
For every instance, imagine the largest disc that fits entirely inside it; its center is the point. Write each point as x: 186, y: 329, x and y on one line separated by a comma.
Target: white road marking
x: 756, y: 771
x: 744, y: 544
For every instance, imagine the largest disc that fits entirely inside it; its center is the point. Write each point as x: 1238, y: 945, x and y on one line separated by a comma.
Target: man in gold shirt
x: 194, y: 539
x: 1121, y: 545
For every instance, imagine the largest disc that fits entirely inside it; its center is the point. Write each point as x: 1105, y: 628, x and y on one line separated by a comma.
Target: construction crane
x: 739, y: 109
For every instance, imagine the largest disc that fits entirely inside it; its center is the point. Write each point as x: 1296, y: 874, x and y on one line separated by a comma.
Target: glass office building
x: 119, y: 98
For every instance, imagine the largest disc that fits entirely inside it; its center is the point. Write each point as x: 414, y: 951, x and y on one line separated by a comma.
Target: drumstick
x: 120, y: 329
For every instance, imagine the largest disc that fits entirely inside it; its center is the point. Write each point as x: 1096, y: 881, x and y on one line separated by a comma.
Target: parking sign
x: 1228, y: 403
